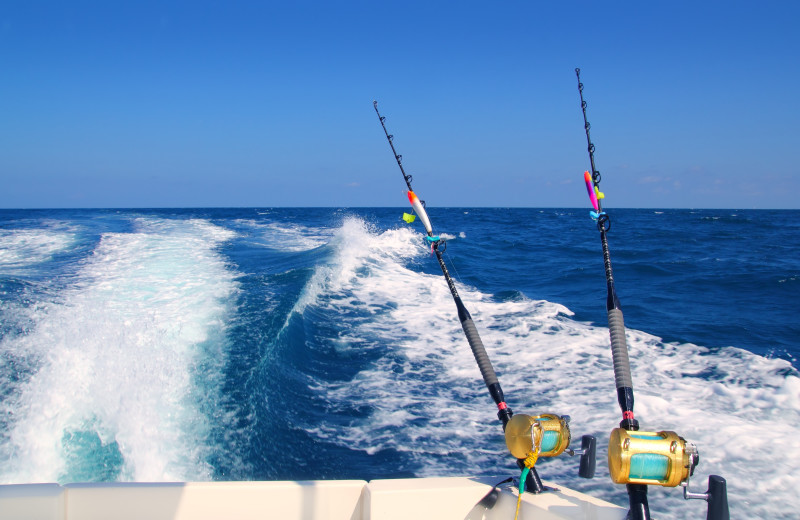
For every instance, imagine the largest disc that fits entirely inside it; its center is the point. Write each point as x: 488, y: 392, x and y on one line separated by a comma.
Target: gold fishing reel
x: 530, y: 437
x: 662, y: 458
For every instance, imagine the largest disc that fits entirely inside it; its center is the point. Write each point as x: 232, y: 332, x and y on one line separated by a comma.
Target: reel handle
x: 588, y: 453
x: 716, y: 496
x: 588, y: 457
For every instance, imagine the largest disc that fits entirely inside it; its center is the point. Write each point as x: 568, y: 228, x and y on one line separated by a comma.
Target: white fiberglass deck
x: 418, y: 498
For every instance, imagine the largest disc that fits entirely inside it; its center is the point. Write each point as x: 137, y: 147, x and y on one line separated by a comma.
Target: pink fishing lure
x: 590, y: 188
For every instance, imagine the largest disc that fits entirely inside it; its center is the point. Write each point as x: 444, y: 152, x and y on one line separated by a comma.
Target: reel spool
x: 546, y: 435
x: 661, y: 458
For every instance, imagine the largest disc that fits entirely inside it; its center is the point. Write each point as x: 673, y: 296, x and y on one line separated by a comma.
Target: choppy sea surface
x: 322, y: 343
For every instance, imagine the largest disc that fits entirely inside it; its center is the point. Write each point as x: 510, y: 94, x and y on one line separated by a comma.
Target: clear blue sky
x: 159, y: 104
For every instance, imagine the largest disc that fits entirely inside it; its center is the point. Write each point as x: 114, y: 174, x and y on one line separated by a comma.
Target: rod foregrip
x: 475, y: 343
x: 619, y: 349
x: 504, y: 413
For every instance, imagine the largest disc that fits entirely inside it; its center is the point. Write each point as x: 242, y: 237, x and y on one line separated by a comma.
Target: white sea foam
x: 120, y: 356
x: 20, y: 248
x: 358, y: 253
x: 286, y: 236
x: 427, y: 399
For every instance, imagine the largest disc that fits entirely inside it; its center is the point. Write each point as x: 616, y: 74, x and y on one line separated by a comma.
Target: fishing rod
x: 642, y: 458
x: 527, y: 437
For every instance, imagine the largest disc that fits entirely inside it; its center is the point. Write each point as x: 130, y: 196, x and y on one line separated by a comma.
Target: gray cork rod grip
x: 619, y: 349
x: 479, y: 352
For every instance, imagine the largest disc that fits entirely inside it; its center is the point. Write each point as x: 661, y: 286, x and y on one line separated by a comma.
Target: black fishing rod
x: 487, y: 371
x: 644, y: 458
x: 616, y: 324
x: 527, y: 437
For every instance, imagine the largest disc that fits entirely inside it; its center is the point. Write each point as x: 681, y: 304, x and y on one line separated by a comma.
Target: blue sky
x: 159, y: 104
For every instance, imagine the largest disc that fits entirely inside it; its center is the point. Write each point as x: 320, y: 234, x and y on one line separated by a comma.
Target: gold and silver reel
x: 652, y: 458
x: 663, y: 459
x: 529, y: 437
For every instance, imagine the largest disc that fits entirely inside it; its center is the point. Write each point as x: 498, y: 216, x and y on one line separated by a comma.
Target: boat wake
x: 122, y: 364
x: 253, y: 348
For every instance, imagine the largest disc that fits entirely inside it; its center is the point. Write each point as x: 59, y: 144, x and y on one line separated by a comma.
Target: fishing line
x: 453, y: 266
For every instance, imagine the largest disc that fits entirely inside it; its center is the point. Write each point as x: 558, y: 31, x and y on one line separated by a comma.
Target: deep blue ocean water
x: 244, y: 344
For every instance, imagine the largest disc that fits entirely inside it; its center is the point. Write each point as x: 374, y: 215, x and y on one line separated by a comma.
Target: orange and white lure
x: 419, y: 209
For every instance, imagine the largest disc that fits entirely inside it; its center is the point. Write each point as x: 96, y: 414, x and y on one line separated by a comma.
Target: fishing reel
x: 662, y: 458
x: 547, y: 435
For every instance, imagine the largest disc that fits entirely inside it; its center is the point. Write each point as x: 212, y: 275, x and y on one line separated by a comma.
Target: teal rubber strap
x: 522, y: 479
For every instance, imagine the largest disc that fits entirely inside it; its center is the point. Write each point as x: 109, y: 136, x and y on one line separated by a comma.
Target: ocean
x: 323, y: 343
